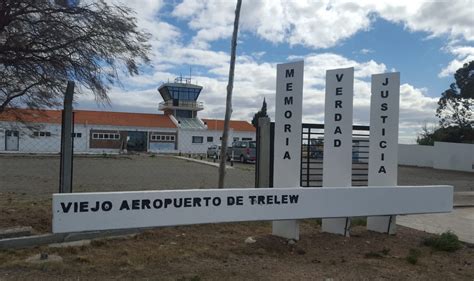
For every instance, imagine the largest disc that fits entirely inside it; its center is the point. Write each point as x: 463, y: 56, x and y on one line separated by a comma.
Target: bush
x: 359, y: 221
x: 373, y: 255
x: 446, y: 134
x: 377, y: 255
x: 447, y: 241
x: 413, y: 256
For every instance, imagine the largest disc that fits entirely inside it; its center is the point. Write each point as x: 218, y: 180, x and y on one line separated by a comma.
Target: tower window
x: 198, y: 139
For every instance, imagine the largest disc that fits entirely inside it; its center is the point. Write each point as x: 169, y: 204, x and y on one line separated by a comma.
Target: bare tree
x: 44, y: 43
x: 230, y: 86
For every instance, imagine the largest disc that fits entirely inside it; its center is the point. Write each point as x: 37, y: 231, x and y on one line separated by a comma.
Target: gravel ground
x: 38, y: 175
x: 212, y: 251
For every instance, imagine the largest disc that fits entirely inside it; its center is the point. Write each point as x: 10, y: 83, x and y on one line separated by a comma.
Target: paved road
x: 460, y: 221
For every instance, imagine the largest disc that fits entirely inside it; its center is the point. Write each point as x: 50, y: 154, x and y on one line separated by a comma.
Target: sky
x: 426, y: 41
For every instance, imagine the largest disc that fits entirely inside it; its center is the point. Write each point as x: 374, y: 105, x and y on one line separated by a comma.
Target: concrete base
x: 52, y: 238
x: 339, y: 226
x: 382, y: 224
x: 288, y: 229
x: 15, y: 232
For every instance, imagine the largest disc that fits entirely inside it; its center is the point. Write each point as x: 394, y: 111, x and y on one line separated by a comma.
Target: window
x: 167, y: 138
x: 104, y: 136
x: 41, y: 134
x: 77, y: 135
x: 246, y: 139
x: 197, y: 139
x: 210, y: 139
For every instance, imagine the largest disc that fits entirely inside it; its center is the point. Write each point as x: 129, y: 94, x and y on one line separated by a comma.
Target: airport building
x: 178, y: 129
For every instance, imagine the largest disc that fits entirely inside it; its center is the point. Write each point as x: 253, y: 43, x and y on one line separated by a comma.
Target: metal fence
x: 312, y: 155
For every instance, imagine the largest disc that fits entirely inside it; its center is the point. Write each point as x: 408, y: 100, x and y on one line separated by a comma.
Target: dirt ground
x: 218, y: 252
x: 209, y: 252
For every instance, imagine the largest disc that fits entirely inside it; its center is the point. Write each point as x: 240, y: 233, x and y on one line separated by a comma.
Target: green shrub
x: 413, y: 256
x: 447, y: 241
x: 359, y: 221
x: 373, y: 255
x: 378, y: 254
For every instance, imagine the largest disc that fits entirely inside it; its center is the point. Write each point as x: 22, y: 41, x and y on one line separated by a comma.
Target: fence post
x: 65, y: 177
x: 262, y: 167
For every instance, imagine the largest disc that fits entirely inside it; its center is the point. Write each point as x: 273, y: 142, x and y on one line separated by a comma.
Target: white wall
x: 185, y: 144
x: 2, y: 138
x: 185, y: 137
x: 52, y: 144
x: 415, y: 155
x: 454, y: 156
x: 443, y: 155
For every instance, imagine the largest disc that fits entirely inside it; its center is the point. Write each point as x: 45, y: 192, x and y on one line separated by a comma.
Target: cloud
x: 323, y: 24
x: 452, y: 18
x: 313, y: 24
x: 463, y: 54
x: 365, y: 51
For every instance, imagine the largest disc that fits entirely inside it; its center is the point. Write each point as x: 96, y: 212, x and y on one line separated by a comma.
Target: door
x: 136, y: 141
x: 11, y: 140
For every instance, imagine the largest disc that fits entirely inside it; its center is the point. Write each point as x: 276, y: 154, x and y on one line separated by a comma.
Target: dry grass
x: 216, y: 252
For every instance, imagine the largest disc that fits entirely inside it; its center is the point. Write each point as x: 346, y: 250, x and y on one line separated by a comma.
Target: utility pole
x: 65, y: 177
x: 228, y: 108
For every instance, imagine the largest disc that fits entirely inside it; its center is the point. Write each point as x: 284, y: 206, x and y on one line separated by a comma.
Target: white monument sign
x: 337, y: 161
x: 383, y: 147
x: 287, y: 202
x: 287, y: 152
x: 74, y: 212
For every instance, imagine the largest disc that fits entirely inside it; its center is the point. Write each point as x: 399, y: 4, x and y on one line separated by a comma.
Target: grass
x: 373, y: 255
x: 447, y: 241
x: 194, y: 278
x: 358, y: 221
x: 413, y: 255
x: 377, y: 255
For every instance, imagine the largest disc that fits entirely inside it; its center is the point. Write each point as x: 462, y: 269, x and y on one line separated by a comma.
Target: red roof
x: 218, y: 125
x: 90, y: 117
x: 113, y: 119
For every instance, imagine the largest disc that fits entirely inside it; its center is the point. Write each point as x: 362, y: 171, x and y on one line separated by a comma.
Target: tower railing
x: 181, y: 104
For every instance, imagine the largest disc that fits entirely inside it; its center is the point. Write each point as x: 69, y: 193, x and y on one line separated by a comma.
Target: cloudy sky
x: 425, y: 41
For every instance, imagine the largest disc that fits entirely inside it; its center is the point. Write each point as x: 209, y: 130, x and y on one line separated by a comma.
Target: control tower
x: 180, y: 101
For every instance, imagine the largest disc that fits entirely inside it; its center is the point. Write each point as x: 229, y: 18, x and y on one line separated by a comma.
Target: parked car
x: 213, y: 151
x: 244, y: 151
x: 316, y: 148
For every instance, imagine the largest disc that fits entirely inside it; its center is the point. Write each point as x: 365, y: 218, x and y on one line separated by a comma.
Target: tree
x: 261, y: 113
x: 454, y: 106
x: 44, y: 43
x: 230, y: 86
x: 447, y: 134
x: 426, y: 136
